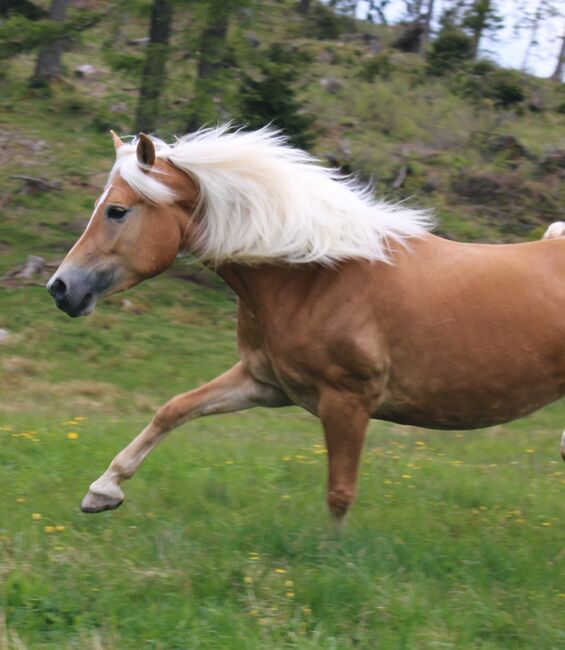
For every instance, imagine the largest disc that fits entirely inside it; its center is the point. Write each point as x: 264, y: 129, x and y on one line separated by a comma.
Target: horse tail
x: 555, y: 230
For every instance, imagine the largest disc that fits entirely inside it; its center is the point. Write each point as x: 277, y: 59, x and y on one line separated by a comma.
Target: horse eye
x: 115, y: 212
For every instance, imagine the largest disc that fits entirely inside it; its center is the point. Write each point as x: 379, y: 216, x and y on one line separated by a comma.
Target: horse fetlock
x: 340, y: 500
x: 102, y: 495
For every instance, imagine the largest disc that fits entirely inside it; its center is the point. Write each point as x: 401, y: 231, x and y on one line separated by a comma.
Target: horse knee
x: 167, y: 416
x: 340, y: 499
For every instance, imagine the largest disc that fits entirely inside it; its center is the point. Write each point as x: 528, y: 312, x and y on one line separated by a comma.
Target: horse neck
x: 259, y: 287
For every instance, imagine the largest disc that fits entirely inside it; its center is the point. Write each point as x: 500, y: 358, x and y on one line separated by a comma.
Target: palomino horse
x: 347, y: 307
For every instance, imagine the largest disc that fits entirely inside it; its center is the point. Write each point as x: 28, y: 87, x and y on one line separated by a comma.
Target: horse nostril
x: 58, y: 289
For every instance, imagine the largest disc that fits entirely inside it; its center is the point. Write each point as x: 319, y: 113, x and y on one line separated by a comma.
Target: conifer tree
x: 154, y: 75
x: 271, y: 99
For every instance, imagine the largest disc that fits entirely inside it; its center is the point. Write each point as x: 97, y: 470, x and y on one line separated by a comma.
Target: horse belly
x: 472, y: 397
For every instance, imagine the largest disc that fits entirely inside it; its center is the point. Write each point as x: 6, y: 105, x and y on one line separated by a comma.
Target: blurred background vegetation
x: 456, y: 540
x: 414, y: 105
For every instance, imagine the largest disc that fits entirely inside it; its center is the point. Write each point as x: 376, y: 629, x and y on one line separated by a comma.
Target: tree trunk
x: 535, y: 23
x: 212, y: 43
x: 154, y: 70
x: 48, y: 64
x: 482, y: 10
x: 558, y: 73
x: 212, y: 49
x: 427, y: 25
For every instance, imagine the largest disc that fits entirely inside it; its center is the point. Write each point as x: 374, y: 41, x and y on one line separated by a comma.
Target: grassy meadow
x: 457, y: 540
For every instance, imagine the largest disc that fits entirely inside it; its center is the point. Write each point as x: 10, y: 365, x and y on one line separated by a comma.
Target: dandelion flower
x: 49, y: 529
x: 36, y: 516
x: 248, y: 580
x: 73, y: 435
x: 280, y: 570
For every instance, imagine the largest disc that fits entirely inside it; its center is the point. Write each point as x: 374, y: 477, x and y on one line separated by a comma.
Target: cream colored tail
x: 555, y: 230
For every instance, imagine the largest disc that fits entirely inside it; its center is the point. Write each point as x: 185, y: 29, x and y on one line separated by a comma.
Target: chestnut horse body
x: 436, y: 333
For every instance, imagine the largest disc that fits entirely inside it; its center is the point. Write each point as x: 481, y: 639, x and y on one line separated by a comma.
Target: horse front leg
x: 235, y: 390
x: 345, y: 420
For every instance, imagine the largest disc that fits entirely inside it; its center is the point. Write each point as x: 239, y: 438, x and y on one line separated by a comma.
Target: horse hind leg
x: 345, y: 421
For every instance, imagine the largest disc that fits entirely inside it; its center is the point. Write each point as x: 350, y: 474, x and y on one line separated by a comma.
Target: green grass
x: 456, y: 540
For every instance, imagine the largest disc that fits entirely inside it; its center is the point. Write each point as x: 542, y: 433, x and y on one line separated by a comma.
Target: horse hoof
x: 99, y: 502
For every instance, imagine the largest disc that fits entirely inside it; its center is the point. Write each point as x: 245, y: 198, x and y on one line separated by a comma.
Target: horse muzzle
x: 75, y: 290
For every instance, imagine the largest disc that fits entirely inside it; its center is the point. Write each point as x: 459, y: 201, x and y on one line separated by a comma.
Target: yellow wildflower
x: 36, y: 516
x: 49, y: 529
x: 73, y: 435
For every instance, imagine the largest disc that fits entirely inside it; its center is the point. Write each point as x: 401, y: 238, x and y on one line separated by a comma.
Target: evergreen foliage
x: 19, y: 34
x: 272, y: 99
x: 449, y: 51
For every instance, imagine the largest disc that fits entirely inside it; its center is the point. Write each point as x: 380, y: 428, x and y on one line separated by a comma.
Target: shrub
x: 485, y: 81
x: 450, y: 50
x: 326, y: 24
x: 378, y: 65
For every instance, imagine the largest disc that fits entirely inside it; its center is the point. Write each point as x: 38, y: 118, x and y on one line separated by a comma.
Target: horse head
x: 135, y: 232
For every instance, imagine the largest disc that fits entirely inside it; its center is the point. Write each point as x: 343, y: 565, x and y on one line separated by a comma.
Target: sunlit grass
x: 456, y: 539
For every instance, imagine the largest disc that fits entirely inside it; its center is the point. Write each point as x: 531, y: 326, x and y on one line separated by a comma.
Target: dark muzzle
x: 75, y: 290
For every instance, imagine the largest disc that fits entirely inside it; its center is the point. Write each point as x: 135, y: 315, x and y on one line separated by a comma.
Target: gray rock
x: 331, y: 85
x: 86, y: 71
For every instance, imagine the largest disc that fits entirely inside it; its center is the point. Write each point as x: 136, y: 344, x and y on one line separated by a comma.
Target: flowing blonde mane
x: 262, y: 199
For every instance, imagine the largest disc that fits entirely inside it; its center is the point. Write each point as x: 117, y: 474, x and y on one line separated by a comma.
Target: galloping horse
x: 347, y: 307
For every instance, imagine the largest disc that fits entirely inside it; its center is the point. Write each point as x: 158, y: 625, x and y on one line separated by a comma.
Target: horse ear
x: 145, y: 150
x: 116, y: 139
